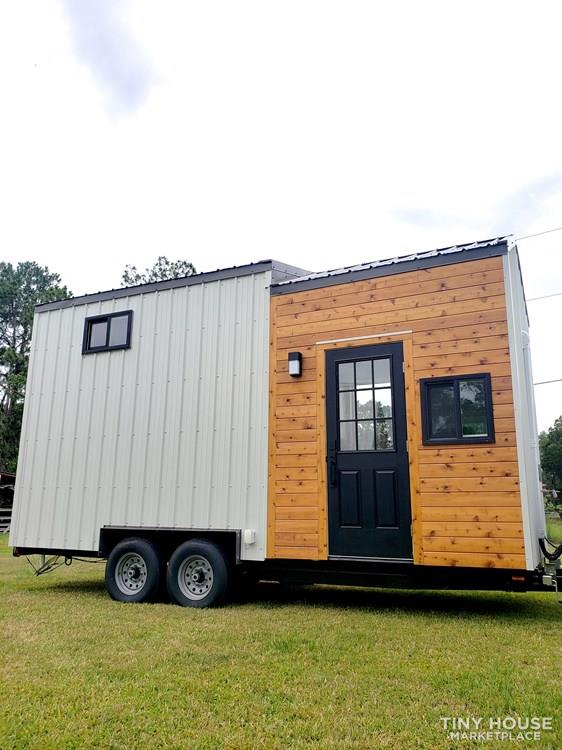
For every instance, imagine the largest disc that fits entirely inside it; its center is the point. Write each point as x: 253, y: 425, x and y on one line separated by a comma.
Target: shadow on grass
x: 484, y: 604
x: 458, y: 603
x: 67, y: 587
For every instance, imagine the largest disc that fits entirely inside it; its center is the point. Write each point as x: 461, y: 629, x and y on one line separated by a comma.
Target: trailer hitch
x: 48, y: 564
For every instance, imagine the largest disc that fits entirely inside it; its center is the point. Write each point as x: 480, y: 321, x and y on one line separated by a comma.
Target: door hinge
x: 403, y: 366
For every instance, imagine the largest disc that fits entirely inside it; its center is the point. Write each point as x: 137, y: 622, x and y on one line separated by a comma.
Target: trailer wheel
x: 198, y: 574
x: 133, y: 572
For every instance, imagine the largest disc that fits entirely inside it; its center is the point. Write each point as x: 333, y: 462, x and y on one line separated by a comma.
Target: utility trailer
x: 369, y: 425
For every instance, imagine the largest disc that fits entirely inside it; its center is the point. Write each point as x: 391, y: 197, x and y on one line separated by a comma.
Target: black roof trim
x: 390, y: 267
x: 279, y: 272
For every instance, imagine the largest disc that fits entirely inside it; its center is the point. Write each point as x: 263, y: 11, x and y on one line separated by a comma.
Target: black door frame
x: 395, y: 349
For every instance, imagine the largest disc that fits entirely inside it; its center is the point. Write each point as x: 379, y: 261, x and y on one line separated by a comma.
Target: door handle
x: 333, y: 473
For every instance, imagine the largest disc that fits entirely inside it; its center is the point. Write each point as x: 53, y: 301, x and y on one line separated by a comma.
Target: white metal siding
x: 532, y: 505
x: 171, y: 432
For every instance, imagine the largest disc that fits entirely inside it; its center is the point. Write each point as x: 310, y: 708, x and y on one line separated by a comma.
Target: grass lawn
x: 318, y: 667
x: 554, y: 529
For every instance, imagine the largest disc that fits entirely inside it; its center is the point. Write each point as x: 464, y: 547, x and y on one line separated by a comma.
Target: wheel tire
x: 198, y: 574
x: 133, y: 572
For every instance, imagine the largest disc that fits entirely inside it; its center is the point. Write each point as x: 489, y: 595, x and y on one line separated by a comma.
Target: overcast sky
x: 317, y: 133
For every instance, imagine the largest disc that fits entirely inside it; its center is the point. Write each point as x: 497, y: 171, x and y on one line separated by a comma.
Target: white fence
x: 5, y: 520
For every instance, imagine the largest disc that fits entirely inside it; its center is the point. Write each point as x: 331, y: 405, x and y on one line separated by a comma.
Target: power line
x: 545, y: 296
x: 538, y: 234
x: 544, y: 382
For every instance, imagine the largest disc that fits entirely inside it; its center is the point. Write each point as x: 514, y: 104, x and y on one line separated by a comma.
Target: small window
x: 107, y: 332
x: 457, y: 410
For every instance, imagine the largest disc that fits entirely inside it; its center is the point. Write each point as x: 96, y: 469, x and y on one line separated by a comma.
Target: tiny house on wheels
x: 369, y: 425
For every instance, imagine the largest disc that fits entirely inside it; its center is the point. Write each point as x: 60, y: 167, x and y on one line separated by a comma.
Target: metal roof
x: 399, y: 264
x: 278, y: 270
x: 286, y: 278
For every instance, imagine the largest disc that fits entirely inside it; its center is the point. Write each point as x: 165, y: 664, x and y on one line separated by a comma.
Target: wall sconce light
x: 295, y: 364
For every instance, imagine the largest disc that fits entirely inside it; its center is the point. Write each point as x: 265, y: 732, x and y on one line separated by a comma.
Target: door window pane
x: 347, y: 405
x: 366, y: 436
x: 364, y: 404
x: 442, y: 411
x: 385, y: 436
x: 364, y: 374
x: 98, y: 334
x: 383, y: 402
x: 347, y: 436
x: 346, y: 377
x: 118, y: 330
x: 473, y: 408
x: 382, y: 372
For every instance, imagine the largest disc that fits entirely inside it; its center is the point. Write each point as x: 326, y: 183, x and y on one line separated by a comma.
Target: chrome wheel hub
x: 195, y: 577
x: 131, y: 573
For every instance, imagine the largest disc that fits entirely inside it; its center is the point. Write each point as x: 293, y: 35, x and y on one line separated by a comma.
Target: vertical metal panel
x: 532, y: 504
x: 171, y: 432
x: 187, y: 459
x: 27, y: 441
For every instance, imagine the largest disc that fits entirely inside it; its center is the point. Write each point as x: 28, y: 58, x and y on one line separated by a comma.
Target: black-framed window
x: 457, y: 409
x: 105, y: 333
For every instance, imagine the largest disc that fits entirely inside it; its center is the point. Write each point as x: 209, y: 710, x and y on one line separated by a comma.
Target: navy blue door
x: 368, y: 479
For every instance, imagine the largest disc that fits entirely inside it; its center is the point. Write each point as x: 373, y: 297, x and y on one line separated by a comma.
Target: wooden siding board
x: 458, y: 360
x: 291, y: 513
x: 295, y: 386
x: 503, y: 530
x: 475, y: 560
x: 295, y: 459
x: 465, y: 453
x: 293, y: 553
x: 295, y: 423
x: 289, y: 341
x: 295, y: 500
x: 394, y: 317
x: 467, y: 495
x: 295, y: 399
x: 481, y: 281
x: 471, y: 486
x: 398, y: 279
x: 300, y: 448
x: 305, y: 410
x: 470, y: 470
x: 378, y: 305
x: 473, y: 514
x: 459, y: 332
x: 496, y: 370
x: 503, y: 411
x: 479, y: 343
x: 295, y: 436
x: 470, y: 499
x: 299, y: 539
x: 297, y: 525
x: 297, y: 472
x: 472, y: 544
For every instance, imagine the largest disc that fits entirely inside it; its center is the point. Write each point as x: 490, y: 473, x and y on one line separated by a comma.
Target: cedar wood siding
x: 466, y: 508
